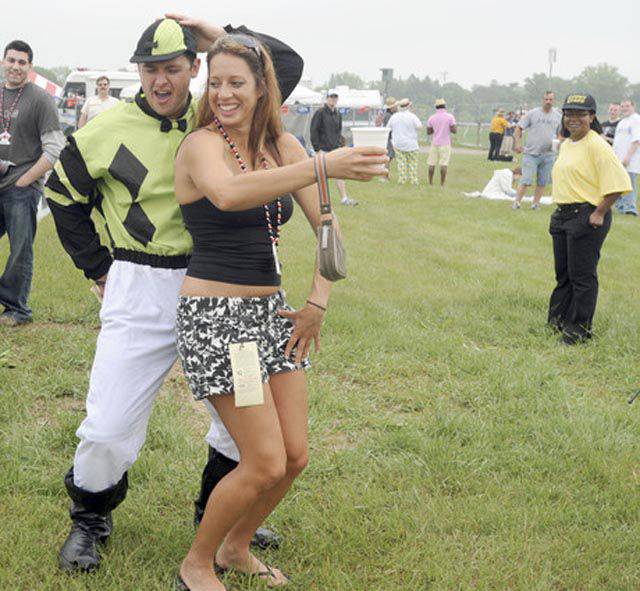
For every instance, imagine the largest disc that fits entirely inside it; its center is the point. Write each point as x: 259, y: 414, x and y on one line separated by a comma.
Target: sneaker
x: 535, y: 206
x: 515, y: 205
x: 348, y: 201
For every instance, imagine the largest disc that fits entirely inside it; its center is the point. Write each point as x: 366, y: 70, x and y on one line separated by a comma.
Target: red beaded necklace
x: 274, y: 233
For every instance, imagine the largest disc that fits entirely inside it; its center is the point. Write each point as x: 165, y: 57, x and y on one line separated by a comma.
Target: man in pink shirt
x: 440, y: 126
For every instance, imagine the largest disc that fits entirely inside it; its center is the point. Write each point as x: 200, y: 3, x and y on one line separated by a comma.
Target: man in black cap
x: 122, y: 165
x: 326, y: 135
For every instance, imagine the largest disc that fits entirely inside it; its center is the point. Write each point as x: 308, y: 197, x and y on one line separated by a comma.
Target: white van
x: 81, y: 84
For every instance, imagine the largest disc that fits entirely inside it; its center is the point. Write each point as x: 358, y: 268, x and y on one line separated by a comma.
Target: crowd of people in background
x: 533, y: 136
x: 404, y: 139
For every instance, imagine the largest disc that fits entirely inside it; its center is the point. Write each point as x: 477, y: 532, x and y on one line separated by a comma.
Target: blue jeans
x: 537, y: 167
x: 18, y: 208
x: 627, y: 202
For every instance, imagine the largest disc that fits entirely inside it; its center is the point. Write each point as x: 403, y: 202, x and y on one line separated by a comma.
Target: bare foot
x: 246, y: 563
x: 200, y: 577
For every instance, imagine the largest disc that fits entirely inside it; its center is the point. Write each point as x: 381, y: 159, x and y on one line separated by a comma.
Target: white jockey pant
x: 136, y: 349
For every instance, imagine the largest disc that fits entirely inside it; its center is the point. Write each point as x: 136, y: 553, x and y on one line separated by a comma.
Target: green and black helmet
x: 164, y: 40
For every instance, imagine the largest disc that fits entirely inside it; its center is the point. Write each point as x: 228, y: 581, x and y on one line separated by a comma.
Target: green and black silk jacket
x: 122, y: 164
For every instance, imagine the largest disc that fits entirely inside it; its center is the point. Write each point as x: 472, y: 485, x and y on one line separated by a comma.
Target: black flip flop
x: 219, y: 570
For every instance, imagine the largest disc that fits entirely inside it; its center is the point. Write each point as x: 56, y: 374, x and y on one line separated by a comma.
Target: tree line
x: 603, y: 81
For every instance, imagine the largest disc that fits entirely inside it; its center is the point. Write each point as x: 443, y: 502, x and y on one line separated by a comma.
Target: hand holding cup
x: 357, y: 164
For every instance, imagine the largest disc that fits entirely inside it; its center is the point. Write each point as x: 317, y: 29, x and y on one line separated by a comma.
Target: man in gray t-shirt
x: 542, y: 125
x: 30, y: 143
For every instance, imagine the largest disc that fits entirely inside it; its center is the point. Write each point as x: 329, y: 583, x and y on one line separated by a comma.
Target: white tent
x: 350, y: 98
x: 357, y: 107
x: 302, y: 95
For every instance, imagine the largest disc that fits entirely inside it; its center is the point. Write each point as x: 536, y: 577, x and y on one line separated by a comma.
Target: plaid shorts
x: 207, y: 326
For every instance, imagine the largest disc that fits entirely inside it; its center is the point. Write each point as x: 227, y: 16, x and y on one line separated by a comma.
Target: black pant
x: 576, y: 251
x: 495, y: 142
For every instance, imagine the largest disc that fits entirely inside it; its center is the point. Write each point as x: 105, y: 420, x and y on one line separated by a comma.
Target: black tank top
x: 233, y: 246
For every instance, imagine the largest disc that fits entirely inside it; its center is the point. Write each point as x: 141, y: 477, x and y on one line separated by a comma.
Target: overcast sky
x: 474, y: 41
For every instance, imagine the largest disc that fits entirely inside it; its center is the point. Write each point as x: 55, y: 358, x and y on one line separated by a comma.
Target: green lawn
x: 455, y: 445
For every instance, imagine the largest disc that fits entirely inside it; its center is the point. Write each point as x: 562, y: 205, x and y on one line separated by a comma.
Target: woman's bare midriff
x: 193, y: 287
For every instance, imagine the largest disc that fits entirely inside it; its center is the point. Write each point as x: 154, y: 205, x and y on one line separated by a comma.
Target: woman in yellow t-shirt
x: 587, y: 180
x: 498, y: 126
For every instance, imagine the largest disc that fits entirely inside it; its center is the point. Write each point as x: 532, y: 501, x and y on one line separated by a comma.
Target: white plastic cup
x: 555, y: 145
x: 376, y: 137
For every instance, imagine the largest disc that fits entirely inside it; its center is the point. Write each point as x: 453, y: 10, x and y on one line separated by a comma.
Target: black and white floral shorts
x: 207, y: 326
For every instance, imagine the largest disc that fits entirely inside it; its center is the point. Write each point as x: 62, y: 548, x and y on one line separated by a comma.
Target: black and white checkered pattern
x: 207, y: 326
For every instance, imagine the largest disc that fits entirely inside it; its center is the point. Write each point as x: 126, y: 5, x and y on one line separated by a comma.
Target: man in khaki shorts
x: 440, y: 126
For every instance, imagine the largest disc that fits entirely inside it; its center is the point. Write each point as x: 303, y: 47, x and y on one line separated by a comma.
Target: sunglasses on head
x: 248, y: 42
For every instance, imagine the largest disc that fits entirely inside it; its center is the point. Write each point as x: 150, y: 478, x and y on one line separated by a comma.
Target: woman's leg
x: 289, y: 392
x: 583, y: 255
x: 562, y: 294
x: 496, y: 152
x: 256, y: 431
x: 492, y: 145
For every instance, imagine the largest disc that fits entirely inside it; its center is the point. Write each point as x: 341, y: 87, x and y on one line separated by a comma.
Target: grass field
x: 455, y: 445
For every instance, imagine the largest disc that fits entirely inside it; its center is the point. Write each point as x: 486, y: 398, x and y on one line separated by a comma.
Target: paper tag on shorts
x: 247, y: 378
x: 274, y: 248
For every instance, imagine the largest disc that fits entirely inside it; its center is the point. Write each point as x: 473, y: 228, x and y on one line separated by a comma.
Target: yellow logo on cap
x: 577, y: 98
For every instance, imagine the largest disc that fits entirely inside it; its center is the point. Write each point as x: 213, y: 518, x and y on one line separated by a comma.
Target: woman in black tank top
x: 243, y: 348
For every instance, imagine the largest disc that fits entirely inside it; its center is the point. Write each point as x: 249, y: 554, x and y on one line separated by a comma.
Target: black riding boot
x: 218, y: 466
x: 91, y: 524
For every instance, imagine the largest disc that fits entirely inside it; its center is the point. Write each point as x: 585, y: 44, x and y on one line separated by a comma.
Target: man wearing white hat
x: 391, y: 108
x: 440, y: 126
x: 404, y: 131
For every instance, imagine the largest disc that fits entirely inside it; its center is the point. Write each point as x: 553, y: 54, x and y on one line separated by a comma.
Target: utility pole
x: 387, y: 77
x: 553, y: 56
x: 444, y: 77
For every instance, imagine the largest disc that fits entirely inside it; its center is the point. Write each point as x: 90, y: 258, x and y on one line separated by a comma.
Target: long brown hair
x: 266, y: 126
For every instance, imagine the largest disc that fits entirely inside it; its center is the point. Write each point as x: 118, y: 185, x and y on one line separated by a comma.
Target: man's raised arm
x: 287, y: 63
